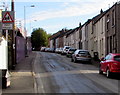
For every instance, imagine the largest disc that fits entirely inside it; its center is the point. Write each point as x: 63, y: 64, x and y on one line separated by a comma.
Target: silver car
x: 81, y: 55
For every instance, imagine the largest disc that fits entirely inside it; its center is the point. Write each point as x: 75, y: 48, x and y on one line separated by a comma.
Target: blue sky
x: 53, y: 15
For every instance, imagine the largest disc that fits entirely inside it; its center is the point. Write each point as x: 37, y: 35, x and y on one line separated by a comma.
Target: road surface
x: 57, y: 74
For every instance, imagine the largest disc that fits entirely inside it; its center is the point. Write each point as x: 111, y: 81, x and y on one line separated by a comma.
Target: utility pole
x: 13, y: 38
x: 8, y: 29
x: 12, y: 5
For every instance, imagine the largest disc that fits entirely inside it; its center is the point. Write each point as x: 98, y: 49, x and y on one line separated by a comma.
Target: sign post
x: 7, y: 24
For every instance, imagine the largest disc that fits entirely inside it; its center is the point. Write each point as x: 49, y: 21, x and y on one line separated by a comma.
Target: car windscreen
x: 117, y: 58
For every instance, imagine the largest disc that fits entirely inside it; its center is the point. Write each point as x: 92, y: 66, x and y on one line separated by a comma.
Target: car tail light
x: 89, y: 56
x: 77, y: 55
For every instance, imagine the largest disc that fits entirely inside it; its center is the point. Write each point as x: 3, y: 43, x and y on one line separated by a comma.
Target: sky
x: 54, y: 15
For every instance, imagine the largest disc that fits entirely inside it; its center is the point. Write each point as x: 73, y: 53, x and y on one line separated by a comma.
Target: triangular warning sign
x: 7, y: 18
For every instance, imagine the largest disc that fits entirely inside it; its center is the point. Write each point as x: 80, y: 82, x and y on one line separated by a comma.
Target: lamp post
x: 26, y: 46
x: 31, y: 26
x: 25, y: 17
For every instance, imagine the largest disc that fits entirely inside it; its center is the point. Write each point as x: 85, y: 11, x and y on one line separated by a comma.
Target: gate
x: 3, y: 53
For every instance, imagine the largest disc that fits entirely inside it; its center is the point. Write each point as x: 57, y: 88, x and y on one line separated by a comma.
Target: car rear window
x: 84, y: 53
x: 72, y: 49
x: 67, y: 47
x: 117, y: 58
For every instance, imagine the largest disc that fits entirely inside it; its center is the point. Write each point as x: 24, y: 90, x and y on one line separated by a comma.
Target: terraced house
x: 100, y: 35
x: 112, y: 29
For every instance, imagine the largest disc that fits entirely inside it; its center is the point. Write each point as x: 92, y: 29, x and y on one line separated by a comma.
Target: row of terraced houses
x: 100, y: 34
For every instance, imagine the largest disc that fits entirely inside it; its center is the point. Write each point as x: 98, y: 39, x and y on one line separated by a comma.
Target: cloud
x: 61, y: 0
x: 74, y: 10
x: 46, y: 0
x: 78, y: 8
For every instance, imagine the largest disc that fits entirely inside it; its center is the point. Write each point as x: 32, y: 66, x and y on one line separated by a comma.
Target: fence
x: 20, y: 48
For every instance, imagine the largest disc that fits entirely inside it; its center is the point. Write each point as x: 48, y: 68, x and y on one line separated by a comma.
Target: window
x: 102, y: 48
x: 84, y: 53
x: 108, y: 45
x: 117, y: 58
x: 111, y: 44
x: 102, y: 25
x: 108, y: 57
x: 114, y: 42
x: 113, y: 18
x: 108, y: 22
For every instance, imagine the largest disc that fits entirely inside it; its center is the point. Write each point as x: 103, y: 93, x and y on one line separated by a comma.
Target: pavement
x: 95, y: 62
x: 22, y: 78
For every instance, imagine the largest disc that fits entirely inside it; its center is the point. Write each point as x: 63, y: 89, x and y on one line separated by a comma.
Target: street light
x: 31, y: 26
x: 25, y: 27
x: 25, y: 17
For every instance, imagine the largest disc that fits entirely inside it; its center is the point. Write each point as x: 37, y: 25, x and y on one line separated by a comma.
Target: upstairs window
x: 113, y: 18
x: 108, y: 22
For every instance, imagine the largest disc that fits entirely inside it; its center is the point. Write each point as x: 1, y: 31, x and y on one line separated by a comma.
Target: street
x: 37, y: 37
x: 57, y: 74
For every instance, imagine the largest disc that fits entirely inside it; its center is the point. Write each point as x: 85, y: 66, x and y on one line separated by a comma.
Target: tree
x: 39, y: 38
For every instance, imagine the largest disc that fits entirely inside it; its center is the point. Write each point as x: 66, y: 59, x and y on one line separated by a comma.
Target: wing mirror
x: 102, y: 59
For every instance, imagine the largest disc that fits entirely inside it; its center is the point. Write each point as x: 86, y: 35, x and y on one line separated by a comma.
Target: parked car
x: 65, y: 49
x: 110, y: 64
x: 60, y: 50
x: 57, y: 50
x: 81, y: 55
x: 70, y: 52
x: 47, y: 49
x: 51, y: 50
x: 42, y: 49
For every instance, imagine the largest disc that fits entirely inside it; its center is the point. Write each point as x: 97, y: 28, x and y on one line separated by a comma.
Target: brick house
x: 112, y: 29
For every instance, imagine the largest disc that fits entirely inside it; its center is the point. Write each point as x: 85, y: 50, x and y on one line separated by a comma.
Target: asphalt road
x: 57, y: 74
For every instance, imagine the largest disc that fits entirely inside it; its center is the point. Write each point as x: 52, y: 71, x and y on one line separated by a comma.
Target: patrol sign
x: 7, y: 20
x: 7, y: 17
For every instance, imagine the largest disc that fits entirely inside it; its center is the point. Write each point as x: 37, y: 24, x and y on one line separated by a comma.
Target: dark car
x: 70, y: 52
x: 81, y: 55
x: 110, y: 64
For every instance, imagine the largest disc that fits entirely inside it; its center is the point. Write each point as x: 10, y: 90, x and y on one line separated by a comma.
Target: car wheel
x: 108, y: 73
x: 75, y: 61
x: 100, y: 71
x: 89, y: 62
x: 71, y: 59
x: 4, y: 83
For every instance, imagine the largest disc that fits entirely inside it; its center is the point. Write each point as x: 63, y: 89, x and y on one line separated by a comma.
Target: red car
x: 110, y: 64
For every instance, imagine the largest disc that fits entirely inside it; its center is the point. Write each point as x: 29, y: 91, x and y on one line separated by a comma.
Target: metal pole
x: 12, y: 5
x: 13, y: 38
x: 25, y: 20
x: 7, y: 49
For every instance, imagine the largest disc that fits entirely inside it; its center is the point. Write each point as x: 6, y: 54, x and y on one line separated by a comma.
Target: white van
x: 65, y: 49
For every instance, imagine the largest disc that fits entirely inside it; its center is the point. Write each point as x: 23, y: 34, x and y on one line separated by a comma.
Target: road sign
x: 7, y: 17
x: 7, y: 26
